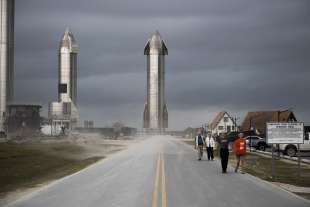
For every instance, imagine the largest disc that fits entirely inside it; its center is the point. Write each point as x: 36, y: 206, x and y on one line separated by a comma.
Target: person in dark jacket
x: 223, y: 142
x: 199, y: 143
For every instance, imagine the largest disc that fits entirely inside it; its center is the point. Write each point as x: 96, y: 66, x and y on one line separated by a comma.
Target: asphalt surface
x: 159, y: 171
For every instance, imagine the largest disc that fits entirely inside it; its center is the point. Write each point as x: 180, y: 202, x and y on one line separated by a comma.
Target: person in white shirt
x: 210, y: 144
x: 199, y: 143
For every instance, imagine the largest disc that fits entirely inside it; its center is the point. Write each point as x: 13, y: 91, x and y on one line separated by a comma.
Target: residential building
x: 257, y: 120
x: 222, y: 123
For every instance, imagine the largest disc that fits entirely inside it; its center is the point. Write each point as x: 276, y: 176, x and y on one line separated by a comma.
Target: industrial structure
x: 155, y: 116
x: 64, y: 113
x: 6, y: 60
x: 24, y: 119
x: 88, y: 124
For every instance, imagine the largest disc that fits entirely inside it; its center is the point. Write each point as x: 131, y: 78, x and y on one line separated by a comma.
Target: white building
x: 222, y: 123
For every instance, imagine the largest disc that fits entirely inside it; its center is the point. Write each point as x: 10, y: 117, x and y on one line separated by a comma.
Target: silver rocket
x: 155, y: 116
x: 68, y: 51
x: 65, y: 112
x: 67, y: 85
x: 6, y: 58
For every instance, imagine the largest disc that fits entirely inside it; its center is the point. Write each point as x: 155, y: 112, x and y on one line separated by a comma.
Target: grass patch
x: 260, y: 166
x: 27, y: 165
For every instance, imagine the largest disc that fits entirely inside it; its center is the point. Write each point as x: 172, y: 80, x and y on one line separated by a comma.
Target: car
x: 291, y: 149
x: 245, y: 133
x: 259, y: 143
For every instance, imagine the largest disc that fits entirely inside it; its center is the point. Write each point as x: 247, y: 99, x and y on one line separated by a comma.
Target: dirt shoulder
x: 30, y: 164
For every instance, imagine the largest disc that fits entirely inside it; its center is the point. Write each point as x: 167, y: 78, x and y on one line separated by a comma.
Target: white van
x: 291, y: 149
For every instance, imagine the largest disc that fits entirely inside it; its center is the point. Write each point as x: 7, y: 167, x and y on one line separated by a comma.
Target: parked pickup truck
x: 291, y: 149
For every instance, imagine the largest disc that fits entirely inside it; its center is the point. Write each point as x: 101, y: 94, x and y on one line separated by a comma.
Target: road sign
x: 285, y: 133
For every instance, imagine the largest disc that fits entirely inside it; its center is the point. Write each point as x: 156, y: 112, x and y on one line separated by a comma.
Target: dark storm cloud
x: 223, y: 55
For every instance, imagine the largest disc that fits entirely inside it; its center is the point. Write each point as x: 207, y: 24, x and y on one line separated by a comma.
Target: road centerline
x: 163, y: 183
x: 160, y: 179
x: 156, y: 183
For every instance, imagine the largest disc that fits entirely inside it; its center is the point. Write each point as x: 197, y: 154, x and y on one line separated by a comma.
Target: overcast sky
x: 238, y: 56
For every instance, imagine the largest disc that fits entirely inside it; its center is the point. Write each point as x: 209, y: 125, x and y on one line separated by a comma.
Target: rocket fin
x: 146, y: 117
x: 165, y: 117
x: 165, y: 50
x: 147, y: 48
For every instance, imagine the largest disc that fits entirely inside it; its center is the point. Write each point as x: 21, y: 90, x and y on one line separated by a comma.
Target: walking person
x: 240, y: 152
x: 199, y: 143
x: 210, y: 144
x: 224, y: 151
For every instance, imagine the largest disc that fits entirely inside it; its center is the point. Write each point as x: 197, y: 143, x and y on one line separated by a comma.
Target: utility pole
x: 236, y: 125
x: 278, y: 146
x: 225, y: 127
x: 203, y: 130
x: 250, y: 134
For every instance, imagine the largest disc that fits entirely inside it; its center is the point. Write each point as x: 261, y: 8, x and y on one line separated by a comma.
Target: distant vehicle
x: 291, y: 149
x: 245, y: 133
x: 233, y: 134
x: 257, y: 142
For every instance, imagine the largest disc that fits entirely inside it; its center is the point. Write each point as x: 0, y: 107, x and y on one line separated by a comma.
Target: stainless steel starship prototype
x: 66, y: 107
x: 6, y: 59
x: 68, y: 51
x: 155, y: 116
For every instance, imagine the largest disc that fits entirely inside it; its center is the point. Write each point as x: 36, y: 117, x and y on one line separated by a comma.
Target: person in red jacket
x: 240, y: 151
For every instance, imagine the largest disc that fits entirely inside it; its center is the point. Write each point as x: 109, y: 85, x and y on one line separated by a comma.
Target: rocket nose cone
x: 68, y: 41
x: 156, y: 41
x: 68, y: 37
x: 155, y: 45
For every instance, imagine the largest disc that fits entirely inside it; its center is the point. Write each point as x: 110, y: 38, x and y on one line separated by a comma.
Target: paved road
x: 159, y: 171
